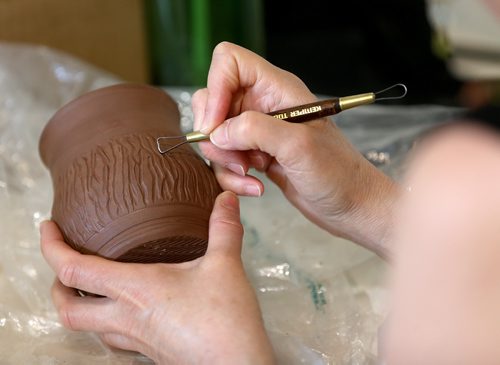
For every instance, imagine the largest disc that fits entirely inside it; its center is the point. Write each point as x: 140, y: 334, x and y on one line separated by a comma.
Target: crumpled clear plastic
x: 322, y: 297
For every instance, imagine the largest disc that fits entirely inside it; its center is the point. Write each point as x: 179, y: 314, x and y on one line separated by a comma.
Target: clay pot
x: 114, y: 195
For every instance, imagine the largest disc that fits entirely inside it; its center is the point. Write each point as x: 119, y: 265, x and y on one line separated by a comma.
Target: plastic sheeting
x: 322, y: 297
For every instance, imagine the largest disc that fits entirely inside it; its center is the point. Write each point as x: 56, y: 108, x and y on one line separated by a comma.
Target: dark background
x: 341, y: 48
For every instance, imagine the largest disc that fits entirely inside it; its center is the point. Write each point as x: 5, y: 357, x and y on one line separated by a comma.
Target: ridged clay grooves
x: 114, y: 194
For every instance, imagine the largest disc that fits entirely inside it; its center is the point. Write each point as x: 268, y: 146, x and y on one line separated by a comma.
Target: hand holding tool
x: 300, y: 114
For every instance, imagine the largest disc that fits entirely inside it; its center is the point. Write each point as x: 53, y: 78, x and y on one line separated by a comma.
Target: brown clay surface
x: 114, y: 194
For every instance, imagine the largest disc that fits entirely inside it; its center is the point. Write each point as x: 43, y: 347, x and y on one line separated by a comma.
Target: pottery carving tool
x: 299, y: 114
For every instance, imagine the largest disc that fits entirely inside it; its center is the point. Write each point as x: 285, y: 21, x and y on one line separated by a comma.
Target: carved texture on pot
x: 122, y: 200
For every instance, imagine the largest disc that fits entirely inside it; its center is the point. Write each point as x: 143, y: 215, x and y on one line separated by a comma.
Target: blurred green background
x: 183, y: 33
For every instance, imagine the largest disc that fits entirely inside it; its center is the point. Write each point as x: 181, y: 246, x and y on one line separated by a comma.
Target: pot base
x: 174, y: 250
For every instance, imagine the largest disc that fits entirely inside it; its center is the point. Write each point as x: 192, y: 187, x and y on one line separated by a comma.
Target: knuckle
x: 245, y: 122
x: 67, y: 317
x: 210, y: 152
x: 207, y: 151
x: 221, y: 175
x: 225, y: 181
x: 287, y: 75
x: 70, y: 274
x: 229, y: 224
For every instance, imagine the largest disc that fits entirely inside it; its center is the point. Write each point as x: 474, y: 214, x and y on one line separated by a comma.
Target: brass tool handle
x: 196, y: 136
x: 348, y: 102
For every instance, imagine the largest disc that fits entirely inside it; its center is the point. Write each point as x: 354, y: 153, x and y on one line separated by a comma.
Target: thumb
x: 225, y: 233
x: 256, y: 131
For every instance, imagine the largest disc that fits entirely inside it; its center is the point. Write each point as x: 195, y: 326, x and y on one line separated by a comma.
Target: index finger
x: 234, y: 68
x: 92, y: 274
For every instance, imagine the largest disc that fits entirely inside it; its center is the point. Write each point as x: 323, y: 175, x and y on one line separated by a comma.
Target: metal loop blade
x: 163, y: 151
x: 403, y: 86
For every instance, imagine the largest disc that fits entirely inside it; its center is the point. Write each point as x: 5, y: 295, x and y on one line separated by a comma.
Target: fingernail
x: 236, y: 168
x: 257, y: 161
x: 204, y: 130
x: 253, y: 190
x: 196, y: 123
x: 219, y: 135
x: 203, y: 127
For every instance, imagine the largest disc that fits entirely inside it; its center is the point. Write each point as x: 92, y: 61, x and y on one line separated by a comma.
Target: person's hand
x: 203, y: 311
x: 315, y: 166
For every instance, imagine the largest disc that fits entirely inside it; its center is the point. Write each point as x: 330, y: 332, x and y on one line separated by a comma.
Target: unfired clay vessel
x: 114, y: 195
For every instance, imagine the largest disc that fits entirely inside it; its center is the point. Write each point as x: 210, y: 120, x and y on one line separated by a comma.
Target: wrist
x: 260, y: 354
x: 243, y: 357
x: 237, y: 346
x: 381, y: 200
x: 369, y: 221
x: 248, y: 349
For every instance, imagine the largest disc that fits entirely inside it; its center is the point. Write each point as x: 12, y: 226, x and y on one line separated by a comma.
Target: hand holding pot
x: 202, y: 311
